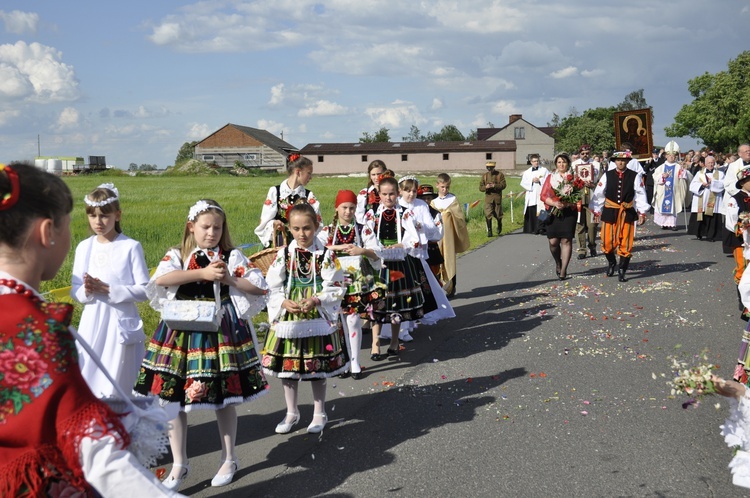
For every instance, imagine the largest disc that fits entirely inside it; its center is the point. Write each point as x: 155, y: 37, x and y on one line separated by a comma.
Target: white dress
x: 111, y: 324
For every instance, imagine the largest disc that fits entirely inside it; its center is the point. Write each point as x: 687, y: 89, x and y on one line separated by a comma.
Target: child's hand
x: 217, y: 270
x: 729, y: 389
x: 308, y: 304
x: 278, y: 225
x: 94, y: 286
x: 291, y: 307
x: 353, y: 250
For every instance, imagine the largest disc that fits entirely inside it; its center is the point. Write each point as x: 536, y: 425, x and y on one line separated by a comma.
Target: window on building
x: 445, y: 157
x: 404, y: 157
x: 320, y: 159
x: 249, y: 157
x: 488, y: 156
x: 364, y: 158
x: 519, y: 132
x: 208, y: 157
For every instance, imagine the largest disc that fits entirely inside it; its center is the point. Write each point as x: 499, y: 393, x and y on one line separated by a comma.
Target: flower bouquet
x: 694, y: 381
x: 569, y: 190
x: 743, y: 223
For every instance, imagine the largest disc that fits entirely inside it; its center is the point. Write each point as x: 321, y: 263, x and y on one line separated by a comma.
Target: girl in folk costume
x: 355, y: 248
x: 397, y: 235
x: 57, y: 438
x: 205, y: 370
x: 707, y: 188
x: 109, y: 277
x: 669, y: 189
x: 290, y: 192
x: 430, y: 229
x: 368, y: 198
x: 532, y: 181
x: 305, y: 340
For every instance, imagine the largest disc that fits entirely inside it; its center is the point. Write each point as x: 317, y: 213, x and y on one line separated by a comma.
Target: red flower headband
x: 384, y: 175
x: 9, y: 199
x: 293, y: 157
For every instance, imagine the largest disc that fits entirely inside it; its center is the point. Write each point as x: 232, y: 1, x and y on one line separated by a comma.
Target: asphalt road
x: 537, y: 388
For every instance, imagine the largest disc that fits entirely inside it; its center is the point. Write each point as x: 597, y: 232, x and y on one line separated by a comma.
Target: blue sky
x: 135, y: 80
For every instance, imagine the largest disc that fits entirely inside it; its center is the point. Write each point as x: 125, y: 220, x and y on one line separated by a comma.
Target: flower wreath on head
x: 201, y: 207
x: 109, y: 200
x: 293, y: 157
x: 387, y: 174
x: 409, y: 177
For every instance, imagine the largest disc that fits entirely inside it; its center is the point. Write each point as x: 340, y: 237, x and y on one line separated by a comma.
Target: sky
x: 135, y: 80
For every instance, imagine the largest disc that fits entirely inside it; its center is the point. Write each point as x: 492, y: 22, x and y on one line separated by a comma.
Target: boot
x: 489, y: 227
x: 499, y: 227
x: 624, y: 262
x: 612, y: 263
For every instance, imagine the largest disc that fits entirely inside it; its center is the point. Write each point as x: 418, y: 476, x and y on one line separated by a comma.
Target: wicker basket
x: 263, y: 259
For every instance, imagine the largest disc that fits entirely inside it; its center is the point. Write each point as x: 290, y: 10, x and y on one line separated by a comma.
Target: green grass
x: 154, y: 211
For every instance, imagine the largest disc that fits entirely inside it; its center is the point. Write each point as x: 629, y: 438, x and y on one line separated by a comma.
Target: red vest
x: 45, y: 405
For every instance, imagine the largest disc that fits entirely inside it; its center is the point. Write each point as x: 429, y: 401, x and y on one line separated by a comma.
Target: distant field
x: 155, y: 209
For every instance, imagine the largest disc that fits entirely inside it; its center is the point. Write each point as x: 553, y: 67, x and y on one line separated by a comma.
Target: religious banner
x: 634, y: 127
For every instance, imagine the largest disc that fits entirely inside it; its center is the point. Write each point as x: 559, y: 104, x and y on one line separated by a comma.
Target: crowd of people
x: 387, y: 258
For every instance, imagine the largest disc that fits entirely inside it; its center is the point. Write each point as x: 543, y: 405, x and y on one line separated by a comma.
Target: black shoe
x: 564, y: 277
x: 621, y: 276
x: 357, y: 375
x: 392, y: 352
x: 378, y: 356
x: 345, y: 375
x: 581, y: 255
x: 674, y: 229
x: 665, y: 228
x: 611, y: 269
x: 593, y: 251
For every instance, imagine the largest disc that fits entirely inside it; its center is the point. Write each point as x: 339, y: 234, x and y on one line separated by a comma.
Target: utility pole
x: 38, y: 146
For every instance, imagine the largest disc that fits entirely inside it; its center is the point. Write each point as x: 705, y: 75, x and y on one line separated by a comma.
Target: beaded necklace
x: 304, y: 269
x: 20, y: 289
x: 389, y: 217
x: 343, y: 235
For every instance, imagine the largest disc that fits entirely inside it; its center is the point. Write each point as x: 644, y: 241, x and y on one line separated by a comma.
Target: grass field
x: 154, y: 210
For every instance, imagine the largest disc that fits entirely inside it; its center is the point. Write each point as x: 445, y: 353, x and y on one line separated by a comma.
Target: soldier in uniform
x: 492, y: 184
x: 588, y: 171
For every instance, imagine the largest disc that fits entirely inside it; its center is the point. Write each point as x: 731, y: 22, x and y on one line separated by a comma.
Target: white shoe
x: 284, y: 427
x: 314, y: 428
x: 406, y: 337
x: 224, y: 479
x: 172, y: 482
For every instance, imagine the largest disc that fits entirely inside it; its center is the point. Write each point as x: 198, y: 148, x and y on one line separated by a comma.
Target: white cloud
x: 18, y: 22
x: 69, y: 118
x: 36, y: 73
x: 566, y: 72
x: 199, y: 131
x: 504, y: 108
x: 399, y: 114
x: 322, y: 108
x: 277, y: 94
x: 271, y: 126
x: 436, y: 104
x: 166, y: 34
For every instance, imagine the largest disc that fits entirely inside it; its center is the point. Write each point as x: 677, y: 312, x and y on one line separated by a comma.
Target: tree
x: 380, y: 136
x: 449, y: 133
x: 186, y: 152
x: 133, y: 167
x: 719, y: 115
x: 414, y: 135
x: 633, y: 101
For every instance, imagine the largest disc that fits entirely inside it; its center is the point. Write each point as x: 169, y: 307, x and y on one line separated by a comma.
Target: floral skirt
x: 306, y: 357
x: 404, y: 297
x: 365, y: 292
x: 203, y: 370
